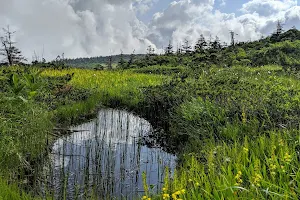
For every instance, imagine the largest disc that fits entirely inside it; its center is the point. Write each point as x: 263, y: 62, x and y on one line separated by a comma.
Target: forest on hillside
x: 282, y: 48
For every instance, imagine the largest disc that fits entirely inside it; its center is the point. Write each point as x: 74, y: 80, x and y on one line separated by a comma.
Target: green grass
x: 107, y: 88
x: 235, y: 130
x: 266, y: 167
x: 156, y: 69
x: 32, y: 104
x: 12, y: 192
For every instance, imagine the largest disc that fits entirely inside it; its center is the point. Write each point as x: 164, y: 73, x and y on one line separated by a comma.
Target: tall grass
x: 12, y: 192
x: 266, y: 167
x: 109, y: 88
x: 236, y: 130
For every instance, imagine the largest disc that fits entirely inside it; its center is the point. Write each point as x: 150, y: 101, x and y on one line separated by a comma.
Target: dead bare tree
x: 12, y: 55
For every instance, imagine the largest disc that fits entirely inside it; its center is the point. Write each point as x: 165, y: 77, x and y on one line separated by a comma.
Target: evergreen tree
x: 150, y: 50
x: 11, y: 53
x: 131, y: 59
x: 179, y: 50
x: 169, y: 49
x: 121, y: 62
x: 279, y: 28
x: 216, y: 45
x: 186, y: 47
x: 201, y: 44
x: 278, y: 32
x: 109, y: 64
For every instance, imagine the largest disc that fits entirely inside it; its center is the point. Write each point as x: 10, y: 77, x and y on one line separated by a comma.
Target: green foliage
x: 209, y: 103
x: 234, y: 126
x: 266, y: 167
x: 12, y: 192
x: 284, y: 53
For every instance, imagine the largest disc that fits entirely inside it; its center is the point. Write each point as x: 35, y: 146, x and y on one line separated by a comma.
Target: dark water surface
x: 105, y: 159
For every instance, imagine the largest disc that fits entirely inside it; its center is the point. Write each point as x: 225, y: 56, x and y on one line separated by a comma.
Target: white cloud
x: 268, y: 7
x: 77, y: 28
x: 187, y: 19
x: 101, y: 27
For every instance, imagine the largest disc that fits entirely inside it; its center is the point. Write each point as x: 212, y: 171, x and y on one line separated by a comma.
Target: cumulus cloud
x: 76, y: 27
x: 82, y: 28
x: 268, y: 7
x: 187, y: 19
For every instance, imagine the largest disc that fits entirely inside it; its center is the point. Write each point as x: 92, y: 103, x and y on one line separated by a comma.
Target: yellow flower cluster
x: 257, y: 179
x: 287, y: 158
x: 282, y: 169
x: 146, y: 198
x: 166, y: 196
x: 281, y: 142
x: 272, y: 168
x: 238, y: 178
x: 244, y: 118
x: 177, y: 193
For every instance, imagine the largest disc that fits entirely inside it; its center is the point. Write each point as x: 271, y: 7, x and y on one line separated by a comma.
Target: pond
x: 105, y: 158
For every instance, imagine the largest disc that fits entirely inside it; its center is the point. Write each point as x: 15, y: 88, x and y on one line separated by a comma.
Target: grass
x: 32, y: 104
x: 266, y: 167
x: 109, y: 88
x: 12, y: 192
x: 235, y: 130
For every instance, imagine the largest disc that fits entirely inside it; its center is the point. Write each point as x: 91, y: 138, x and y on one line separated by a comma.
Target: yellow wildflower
x: 272, y: 167
x: 244, y: 117
x: 166, y: 196
x: 273, y: 173
x: 174, y: 196
x: 281, y: 143
x: 238, y: 178
x: 257, y: 179
x: 287, y: 158
x: 282, y: 168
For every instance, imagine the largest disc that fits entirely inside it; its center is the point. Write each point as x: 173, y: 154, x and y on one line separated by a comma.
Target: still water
x: 105, y: 158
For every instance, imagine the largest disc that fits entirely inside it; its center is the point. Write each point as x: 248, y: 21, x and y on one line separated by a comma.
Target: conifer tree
x: 169, y: 49
x: 279, y: 28
x: 121, y: 62
x: 186, y: 47
x: 201, y: 44
x: 11, y: 53
x: 216, y: 45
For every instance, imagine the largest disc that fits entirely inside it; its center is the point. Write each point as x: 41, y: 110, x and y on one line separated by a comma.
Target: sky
x: 85, y: 28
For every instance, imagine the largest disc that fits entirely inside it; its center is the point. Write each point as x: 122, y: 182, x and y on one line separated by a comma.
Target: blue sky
x: 231, y: 6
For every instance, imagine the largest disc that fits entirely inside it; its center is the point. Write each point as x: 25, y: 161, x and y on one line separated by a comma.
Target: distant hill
x: 99, y: 60
x: 279, y: 49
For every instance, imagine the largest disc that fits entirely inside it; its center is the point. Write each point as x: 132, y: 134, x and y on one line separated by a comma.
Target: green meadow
x: 232, y: 120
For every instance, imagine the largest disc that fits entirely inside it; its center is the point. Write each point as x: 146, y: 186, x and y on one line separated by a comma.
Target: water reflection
x: 104, y: 158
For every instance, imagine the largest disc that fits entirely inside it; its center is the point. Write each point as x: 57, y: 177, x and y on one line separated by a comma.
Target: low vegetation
x: 230, y: 114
